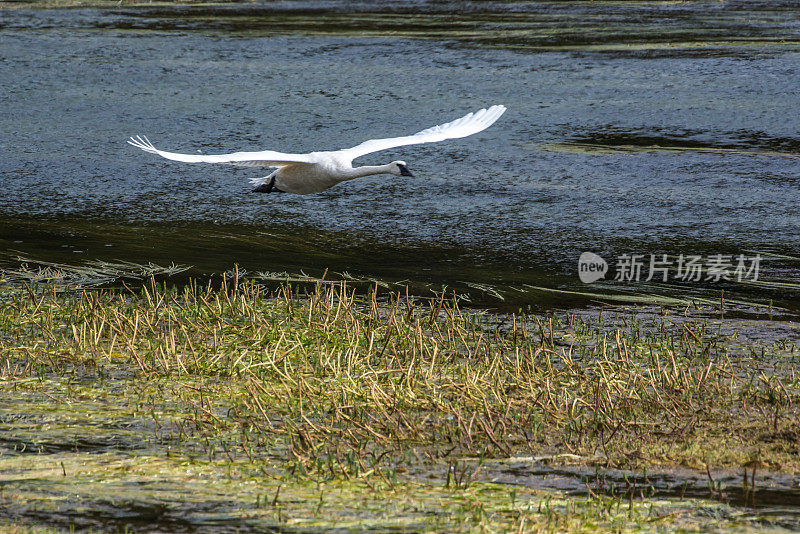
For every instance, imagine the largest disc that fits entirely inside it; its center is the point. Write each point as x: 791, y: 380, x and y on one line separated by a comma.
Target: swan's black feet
x: 267, y: 188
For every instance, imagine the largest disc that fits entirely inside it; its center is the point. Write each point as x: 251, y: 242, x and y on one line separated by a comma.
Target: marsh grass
x: 386, y: 398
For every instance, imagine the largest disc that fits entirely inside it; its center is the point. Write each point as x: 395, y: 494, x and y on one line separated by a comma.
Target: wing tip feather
x: 143, y: 143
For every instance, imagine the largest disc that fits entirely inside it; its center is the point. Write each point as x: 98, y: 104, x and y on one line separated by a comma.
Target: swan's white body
x: 317, y: 171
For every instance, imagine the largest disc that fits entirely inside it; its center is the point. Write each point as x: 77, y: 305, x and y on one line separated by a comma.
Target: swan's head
x: 398, y: 168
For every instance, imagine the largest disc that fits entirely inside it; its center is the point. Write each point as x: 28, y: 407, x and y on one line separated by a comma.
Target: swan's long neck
x: 368, y: 170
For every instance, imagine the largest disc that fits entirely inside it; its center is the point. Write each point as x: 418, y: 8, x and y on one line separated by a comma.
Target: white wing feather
x: 265, y: 158
x: 469, y: 124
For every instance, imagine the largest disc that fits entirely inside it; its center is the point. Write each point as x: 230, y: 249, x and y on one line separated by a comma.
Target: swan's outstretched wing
x: 466, y: 125
x: 265, y: 158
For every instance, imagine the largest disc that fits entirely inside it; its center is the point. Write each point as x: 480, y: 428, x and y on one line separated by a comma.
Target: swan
x: 317, y: 171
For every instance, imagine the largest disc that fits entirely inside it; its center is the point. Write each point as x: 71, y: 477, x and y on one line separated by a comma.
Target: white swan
x: 317, y: 171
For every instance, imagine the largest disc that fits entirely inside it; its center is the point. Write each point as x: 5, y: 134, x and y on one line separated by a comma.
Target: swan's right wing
x: 466, y: 125
x: 265, y: 158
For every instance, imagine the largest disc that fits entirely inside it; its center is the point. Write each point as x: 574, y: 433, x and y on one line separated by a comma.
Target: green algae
x: 115, y: 491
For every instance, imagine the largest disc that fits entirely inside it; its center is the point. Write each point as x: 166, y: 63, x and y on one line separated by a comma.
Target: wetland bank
x: 241, y: 409
x: 397, y: 355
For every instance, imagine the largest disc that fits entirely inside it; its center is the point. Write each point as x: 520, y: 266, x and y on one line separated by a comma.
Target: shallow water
x: 774, y: 500
x: 632, y: 129
x: 99, y: 441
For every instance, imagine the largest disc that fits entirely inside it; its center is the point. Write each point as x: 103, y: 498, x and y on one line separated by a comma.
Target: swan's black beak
x: 404, y: 171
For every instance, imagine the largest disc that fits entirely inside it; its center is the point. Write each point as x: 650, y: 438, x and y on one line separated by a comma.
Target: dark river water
x: 652, y: 128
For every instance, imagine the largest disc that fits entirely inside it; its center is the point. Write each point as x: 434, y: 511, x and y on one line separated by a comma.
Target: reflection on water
x: 774, y: 500
x: 511, y: 208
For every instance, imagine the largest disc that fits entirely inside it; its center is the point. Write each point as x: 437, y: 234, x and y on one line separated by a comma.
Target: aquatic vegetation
x: 90, y: 274
x: 629, y: 29
x: 232, y: 405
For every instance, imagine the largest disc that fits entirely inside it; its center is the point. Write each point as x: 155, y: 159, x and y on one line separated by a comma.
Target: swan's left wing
x: 466, y: 125
x: 265, y: 158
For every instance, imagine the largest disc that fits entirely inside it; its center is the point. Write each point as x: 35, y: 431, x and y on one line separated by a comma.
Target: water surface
x: 632, y: 128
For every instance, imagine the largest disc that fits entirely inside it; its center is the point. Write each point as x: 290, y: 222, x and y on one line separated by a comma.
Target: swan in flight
x: 317, y: 171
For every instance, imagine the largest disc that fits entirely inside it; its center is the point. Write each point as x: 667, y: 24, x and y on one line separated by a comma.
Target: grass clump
x: 355, y: 411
